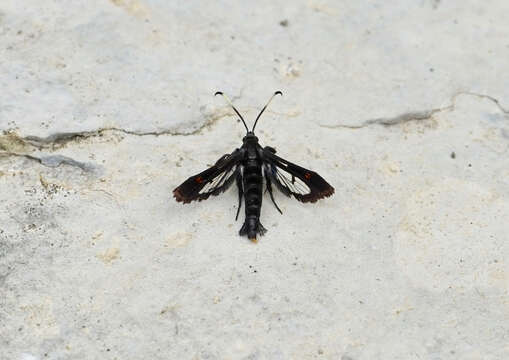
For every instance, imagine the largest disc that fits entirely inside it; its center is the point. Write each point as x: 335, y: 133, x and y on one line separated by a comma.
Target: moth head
x: 250, y: 137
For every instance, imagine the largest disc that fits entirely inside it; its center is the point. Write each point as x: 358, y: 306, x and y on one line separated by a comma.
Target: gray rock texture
x: 107, y: 105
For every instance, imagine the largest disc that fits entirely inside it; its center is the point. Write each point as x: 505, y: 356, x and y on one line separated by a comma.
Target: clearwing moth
x: 248, y: 166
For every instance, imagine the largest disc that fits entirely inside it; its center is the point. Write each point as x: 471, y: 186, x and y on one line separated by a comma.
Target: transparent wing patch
x: 218, y: 182
x: 290, y: 183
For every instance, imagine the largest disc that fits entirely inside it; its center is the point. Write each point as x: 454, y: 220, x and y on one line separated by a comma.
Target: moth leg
x: 269, y: 189
x: 241, y: 192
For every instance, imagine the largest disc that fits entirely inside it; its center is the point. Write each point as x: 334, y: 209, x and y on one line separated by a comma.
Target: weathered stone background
x: 106, y: 106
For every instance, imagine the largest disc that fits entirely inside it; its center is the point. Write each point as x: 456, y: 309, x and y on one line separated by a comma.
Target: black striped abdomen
x: 253, y: 184
x: 253, y: 192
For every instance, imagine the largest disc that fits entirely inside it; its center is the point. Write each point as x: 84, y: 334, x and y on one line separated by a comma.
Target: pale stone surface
x: 401, y: 106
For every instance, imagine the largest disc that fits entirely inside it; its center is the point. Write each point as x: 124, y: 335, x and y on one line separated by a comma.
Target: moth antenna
x: 261, y: 112
x: 229, y: 102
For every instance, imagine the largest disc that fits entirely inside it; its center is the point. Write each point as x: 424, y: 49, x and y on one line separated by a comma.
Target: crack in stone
x: 53, y: 161
x: 13, y: 145
x: 483, y: 96
x: 416, y: 115
x: 59, y: 140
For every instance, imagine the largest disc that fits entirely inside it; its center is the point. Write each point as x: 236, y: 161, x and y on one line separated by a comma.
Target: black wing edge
x: 219, y: 177
x: 318, y: 187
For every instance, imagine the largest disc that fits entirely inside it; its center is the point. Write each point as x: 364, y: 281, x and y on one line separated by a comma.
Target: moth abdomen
x: 253, y: 192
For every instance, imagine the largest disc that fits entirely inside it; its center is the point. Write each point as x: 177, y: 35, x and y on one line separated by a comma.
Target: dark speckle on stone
x: 283, y: 23
x: 453, y: 155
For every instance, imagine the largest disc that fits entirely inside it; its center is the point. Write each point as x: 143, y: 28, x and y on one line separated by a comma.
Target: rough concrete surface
x: 106, y: 106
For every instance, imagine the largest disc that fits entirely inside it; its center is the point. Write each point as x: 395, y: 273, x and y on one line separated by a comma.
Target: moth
x: 248, y: 166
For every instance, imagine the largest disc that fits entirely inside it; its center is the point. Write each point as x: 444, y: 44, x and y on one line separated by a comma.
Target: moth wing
x: 293, y: 180
x: 213, y: 181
